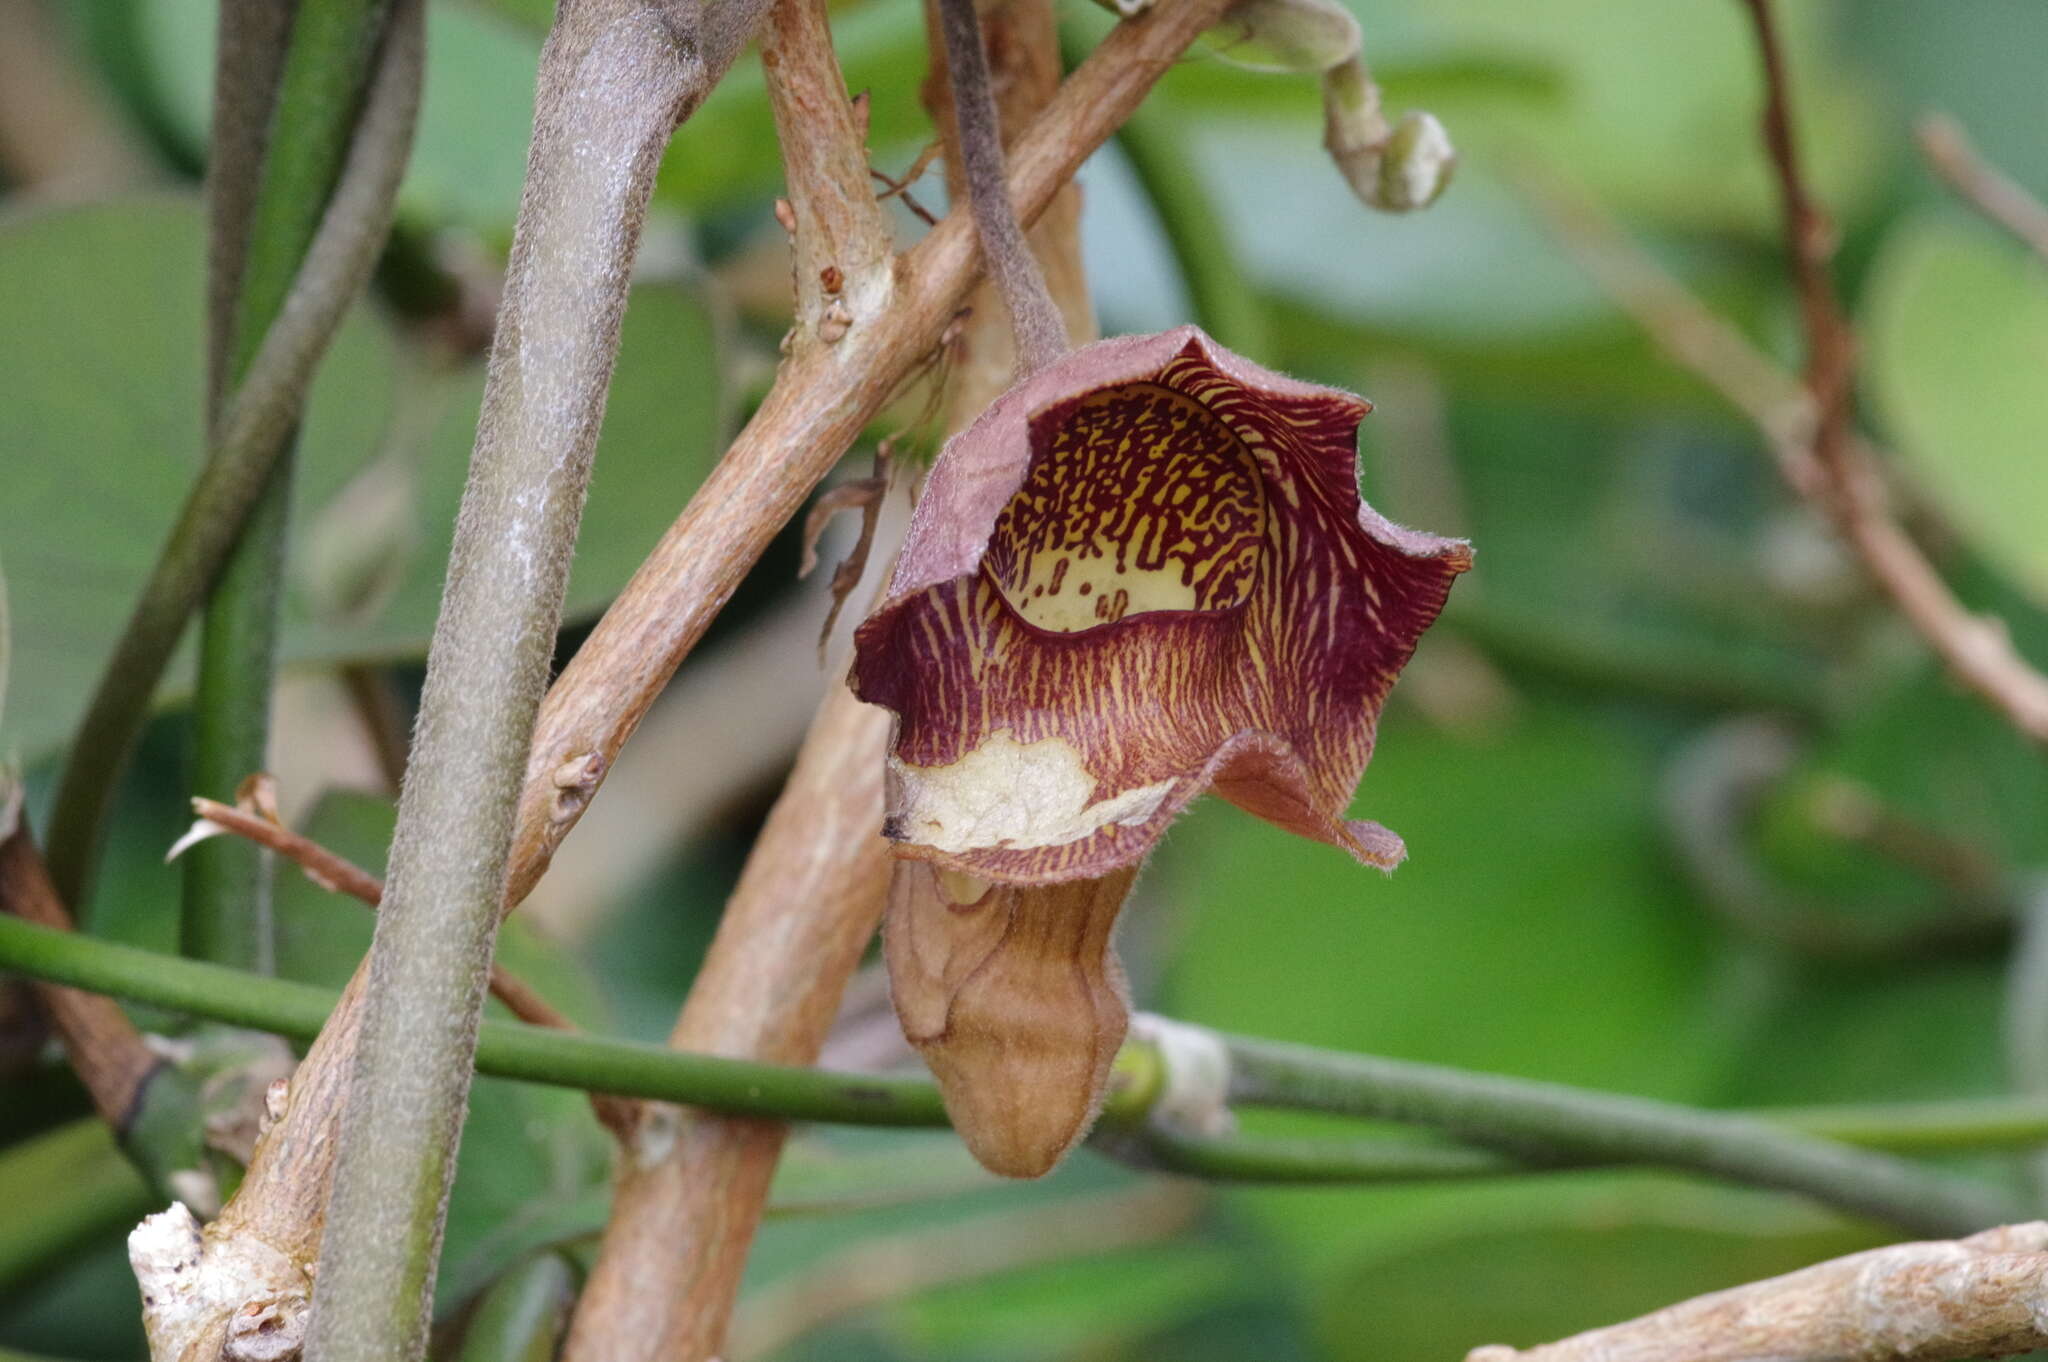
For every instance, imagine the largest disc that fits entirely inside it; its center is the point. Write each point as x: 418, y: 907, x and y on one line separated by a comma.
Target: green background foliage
x: 1643, y: 582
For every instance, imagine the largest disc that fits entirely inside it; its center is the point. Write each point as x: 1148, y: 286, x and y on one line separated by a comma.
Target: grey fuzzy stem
x: 616, y: 78
x: 1034, y: 316
x: 1553, y: 1121
x: 250, y: 435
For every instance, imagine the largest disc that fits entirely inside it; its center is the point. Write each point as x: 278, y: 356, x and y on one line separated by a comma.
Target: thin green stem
x: 631, y: 1069
x: 327, y: 63
x: 505, y: 1049
x: 1960, y: 1126
x: 616, y: 78
x: 1246, y: 1158
x: 1225, y: 304
x: 226, y: 915
x: 1552, y: 1120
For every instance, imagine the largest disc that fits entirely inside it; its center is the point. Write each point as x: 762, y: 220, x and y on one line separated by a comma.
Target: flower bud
x: 1395, y: 169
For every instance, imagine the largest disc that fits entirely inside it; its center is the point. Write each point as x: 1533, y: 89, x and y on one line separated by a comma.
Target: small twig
x: 1985, y: 1296
x: 339, y: 875
x: 1986, y: 188
x: 1844, y: 486
x: 900, y: 189
x: 1035, y: 319
x: 1977, y: 651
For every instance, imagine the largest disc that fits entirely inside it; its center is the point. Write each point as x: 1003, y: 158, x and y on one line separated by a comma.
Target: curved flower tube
x: 1144, y: 572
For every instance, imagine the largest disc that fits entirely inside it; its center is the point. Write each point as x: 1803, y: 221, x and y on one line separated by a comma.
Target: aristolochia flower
x: 1144, y: 572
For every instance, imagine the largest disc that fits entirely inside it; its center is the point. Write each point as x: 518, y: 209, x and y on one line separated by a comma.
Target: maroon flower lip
x: 1143, y: 573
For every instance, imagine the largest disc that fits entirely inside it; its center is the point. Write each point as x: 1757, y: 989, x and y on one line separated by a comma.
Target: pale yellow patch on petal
x: 1010, y: 794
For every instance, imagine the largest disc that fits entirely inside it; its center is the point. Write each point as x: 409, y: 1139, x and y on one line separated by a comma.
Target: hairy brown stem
x: 1022, y: 38
x: 978, y: 138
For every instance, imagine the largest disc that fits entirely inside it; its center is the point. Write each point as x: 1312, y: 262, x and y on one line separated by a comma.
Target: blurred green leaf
x: 1956, y: 323
x: 100, y: 376
x: 1534, y: 872
x: 1529, y: 1285
x: 1058, y: 1309
x: 100, y: 360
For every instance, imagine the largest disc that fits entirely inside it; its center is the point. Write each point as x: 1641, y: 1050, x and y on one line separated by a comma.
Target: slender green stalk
x: 1321, y: 1161
x: 1553, y: 1120
x: 504, y: 1049
x: 632, y: 1069
x: 247, y: 440
x: 226, y: 915
x: 1960, y: 1126
x: 616, y: 78
x: 1225, y: 304
x: 318, y: 97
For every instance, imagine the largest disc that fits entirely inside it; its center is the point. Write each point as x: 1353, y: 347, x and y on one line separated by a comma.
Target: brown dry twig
x: 339, y: 875
x: 1977, y: 650
x: 1807, y: 423
x: 1985, y: 1296
x: 1984, y: 186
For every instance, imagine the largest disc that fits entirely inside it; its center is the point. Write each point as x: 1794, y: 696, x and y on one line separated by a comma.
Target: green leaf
x: 1956, y: 326
x: 100, y: 373
x: 100, y: 361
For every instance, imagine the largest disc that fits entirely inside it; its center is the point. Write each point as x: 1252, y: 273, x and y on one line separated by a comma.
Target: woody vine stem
x: 1034, y: 316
